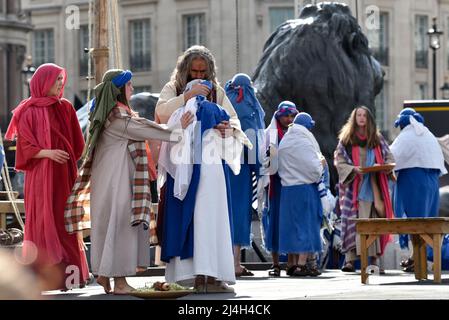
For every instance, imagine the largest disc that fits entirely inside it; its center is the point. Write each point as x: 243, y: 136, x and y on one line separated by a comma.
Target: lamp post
x: 28, y: 72
x: 445, y: 89
x: 434, y: 42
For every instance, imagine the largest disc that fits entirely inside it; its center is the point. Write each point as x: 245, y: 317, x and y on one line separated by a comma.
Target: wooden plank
x: 6, y: 206
x: 427, y: 238
x: 3, y: 221
x: 402, y: 226
x: 4, y: 195
x: 363, y: 258
x: 437, y: 258
x: 406, y: 227
x: 423, y: 257
x: 370, y: 240
x: 401, y: 219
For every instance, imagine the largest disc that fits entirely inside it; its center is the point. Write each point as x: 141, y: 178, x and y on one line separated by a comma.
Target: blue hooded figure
x: 419, y: 164
x: 241, y: 93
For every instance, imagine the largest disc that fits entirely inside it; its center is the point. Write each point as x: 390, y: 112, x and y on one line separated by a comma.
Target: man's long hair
x: 347, y: 134
x: 181, y: 74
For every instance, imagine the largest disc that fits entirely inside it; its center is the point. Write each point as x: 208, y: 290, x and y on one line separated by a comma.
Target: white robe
x: 417, y: 147
x: 212, y: 243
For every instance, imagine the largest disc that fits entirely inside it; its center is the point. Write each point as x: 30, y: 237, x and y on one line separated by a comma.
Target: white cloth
x: 212, y: 244
x: 444, y: 144
x: 299, y: 157
x: 177, y: 158
x: 417, y: 147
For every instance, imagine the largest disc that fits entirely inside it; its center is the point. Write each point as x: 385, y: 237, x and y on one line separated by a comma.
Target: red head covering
x: 42, y: 81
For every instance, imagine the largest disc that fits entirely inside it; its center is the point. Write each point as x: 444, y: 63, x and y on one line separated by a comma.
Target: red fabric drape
x: 42, y: 122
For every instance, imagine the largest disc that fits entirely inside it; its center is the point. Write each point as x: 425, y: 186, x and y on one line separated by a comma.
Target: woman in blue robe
x: 251, y: 115
x: 301, y: 166
x: 419, y: 164
x: 274, y: 134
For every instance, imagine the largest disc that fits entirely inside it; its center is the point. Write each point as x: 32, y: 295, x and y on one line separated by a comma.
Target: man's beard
x: 189, y: 78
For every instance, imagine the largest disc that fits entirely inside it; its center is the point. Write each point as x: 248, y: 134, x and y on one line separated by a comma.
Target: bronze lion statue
x: 323, y: 64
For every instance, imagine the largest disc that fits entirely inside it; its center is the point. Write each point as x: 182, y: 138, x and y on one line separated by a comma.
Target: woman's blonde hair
x: 347, y: 134
x: 181, y: 74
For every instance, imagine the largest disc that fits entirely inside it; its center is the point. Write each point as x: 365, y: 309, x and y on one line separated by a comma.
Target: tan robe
x: 366, y: 208
x: 117, y: 247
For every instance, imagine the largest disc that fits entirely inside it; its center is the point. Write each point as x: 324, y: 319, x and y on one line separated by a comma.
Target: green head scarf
x: 106, y: 94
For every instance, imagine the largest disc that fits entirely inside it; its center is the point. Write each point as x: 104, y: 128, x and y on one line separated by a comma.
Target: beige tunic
x: 367, y: 209
x: 169, y: 102
x: 117, y: 247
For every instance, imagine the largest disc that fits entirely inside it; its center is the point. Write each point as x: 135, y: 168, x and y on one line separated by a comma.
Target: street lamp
x: 434, y: 42
x: 445, y: 89
x: 28, y: 72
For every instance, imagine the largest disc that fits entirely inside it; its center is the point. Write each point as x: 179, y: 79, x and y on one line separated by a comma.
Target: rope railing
x: 8, y: 188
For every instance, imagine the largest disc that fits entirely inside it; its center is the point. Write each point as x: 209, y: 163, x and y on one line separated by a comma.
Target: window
x: 421, y: 91
x: 194, y: 26
x: 378, y: 39
x: 421, y: 47
x: 140, y: 58
x: 381, y: 108
x: 43, y: 47
x: 142, y: 89
x: 84, y: 57
x: 279, y: 15
x: 2, y: 6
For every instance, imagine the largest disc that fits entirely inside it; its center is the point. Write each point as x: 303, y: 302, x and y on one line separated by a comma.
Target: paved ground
x: 331, y: 285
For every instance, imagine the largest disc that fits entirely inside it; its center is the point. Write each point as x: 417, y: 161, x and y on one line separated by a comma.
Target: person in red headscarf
x: 49, y: 144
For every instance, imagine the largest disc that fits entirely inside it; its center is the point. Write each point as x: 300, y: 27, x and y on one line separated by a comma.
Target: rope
x: 8, y: 187
x: 111, y: 35
x: 114, y: 35
x: 237, y: 38
x: 89, y: 64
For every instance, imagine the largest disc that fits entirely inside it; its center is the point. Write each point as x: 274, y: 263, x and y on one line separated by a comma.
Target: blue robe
x: 251, y: 116
x: 416, y: 195
x: 300, y: 219
x: 271, y: 218
x: 177, y: 234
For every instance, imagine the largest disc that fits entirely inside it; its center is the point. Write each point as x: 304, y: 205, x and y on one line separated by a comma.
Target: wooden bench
x: 7, y: 208
x: 422, y: 230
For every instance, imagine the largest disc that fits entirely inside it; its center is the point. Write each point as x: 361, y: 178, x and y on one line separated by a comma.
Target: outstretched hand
x: 186, y: 119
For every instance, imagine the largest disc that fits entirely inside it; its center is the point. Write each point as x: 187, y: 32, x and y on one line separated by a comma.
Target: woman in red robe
x: 49, y: 143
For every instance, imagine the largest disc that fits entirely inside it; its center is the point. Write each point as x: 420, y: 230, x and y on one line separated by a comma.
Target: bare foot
x: 122, y: 289
x: 105, y: 283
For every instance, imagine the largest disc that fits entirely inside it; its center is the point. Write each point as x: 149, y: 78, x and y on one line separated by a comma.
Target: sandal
x: 11, y: 237
x: 406, y: 263
x: 313, y: 271
x: 244, y: 273
x: 290, y: 270
x: 275, y: 272
x: 300, y: 271
x: 409, y: 268
x: 348, y: 267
